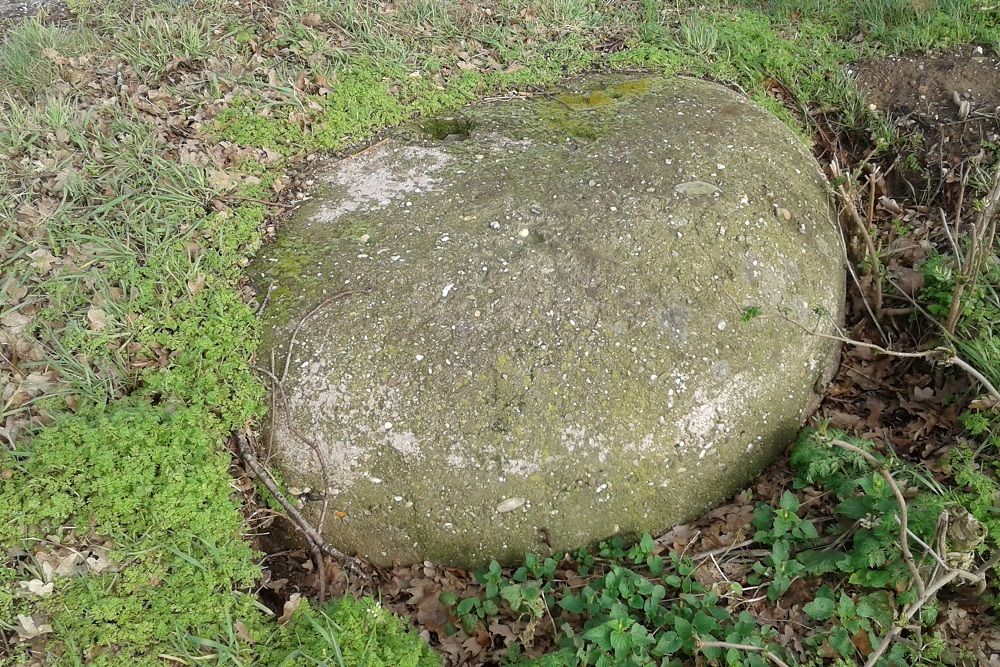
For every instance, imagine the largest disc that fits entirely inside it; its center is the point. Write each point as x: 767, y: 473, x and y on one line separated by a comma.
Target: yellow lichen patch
x: 604, y: 97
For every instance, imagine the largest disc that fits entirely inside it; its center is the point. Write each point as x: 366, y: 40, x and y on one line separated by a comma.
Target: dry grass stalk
x: 863, y: 228
x: 981, y: 239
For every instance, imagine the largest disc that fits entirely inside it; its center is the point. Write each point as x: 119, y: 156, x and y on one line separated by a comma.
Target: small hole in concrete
x: 447, y: 129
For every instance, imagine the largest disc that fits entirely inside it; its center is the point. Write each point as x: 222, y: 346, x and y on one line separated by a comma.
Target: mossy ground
x: 142, y: 142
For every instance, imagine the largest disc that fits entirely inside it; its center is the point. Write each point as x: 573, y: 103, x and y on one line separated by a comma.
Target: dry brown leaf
x: 98, y: 319
x: 196, y: 285
x: 98, y: 560
x: 291, y: 604
x: 862, y: 642
x: 28, y: 628
x: 37, y: 587
x: 42, y: 260
x: 243, y: 633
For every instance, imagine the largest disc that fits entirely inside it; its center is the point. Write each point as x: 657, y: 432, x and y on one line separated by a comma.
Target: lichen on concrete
x: 552, y: 340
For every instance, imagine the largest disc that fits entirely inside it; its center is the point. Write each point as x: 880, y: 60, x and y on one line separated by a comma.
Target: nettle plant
x: 640, y: 607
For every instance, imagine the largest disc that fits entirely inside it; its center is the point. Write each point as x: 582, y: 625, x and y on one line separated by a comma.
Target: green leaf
x: 877, y: 607
x: 846, y: 607
x: 448, y: 598
x: 704, y: 624
x: 929, y: 615
x: 840, y: 640
x: 641, y: 637
x: 745, y: 624
x: 789, y: 501
x: 820, y: 562
x: 820, y: 609
x: 668, y: 644
x: 466, y: 605
x: 469, y: 623
x: 572, y: 603
x: 621, y: 641
x: 619, y: 611
x: 854, y: 508
x: 599, y: 636
x: 780, y: 551
x: 657, y: 595
x: 683, y: 628
x: 513, y: 595
x: 808, y: 530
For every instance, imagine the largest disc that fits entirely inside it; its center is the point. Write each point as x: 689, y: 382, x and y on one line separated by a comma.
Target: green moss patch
x: 154, y: 484
x: 347, y: 632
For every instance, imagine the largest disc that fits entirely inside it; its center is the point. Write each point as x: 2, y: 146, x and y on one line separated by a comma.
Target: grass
x: 31, y: 55
x: 140, y: 142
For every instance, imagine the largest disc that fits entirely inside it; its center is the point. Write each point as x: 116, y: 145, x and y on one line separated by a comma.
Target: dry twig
x: 932, y: 589
x: 293, y: 514
x: 277, y: 388
x: 904, y: 542
x: 744, y: 647
x: 305, y: 318
x: 980, y: 248
x: 871, y: 253
x: 944, y: 356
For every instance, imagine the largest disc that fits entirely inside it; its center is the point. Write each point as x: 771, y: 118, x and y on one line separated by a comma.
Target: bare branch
x: 904, y: 543
x: 931, y: 591
x: 322, y: 304
x: 941, y: 355
x: 862, y: 226
x: 317, y: 545
x: 743, y: 647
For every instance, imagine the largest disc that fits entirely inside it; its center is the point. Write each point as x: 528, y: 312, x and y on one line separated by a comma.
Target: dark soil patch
x: 13, y: 12
x: 947, y: 103
x: 924, y: 85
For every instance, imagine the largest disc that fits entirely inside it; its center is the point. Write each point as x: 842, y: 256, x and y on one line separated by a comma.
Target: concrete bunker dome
x: 551, y: 342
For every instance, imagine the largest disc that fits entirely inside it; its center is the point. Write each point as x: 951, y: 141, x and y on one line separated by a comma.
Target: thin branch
x: 931, y: 591
x: 267, y: 298
x: 951, y: 239
x: 964, y: 171
x: 941, y: 355
x: 277, y: 388
x: 854, y: 278
x: 325, y: 302
x: 983, y: 233
x: 904, y: 542
x: 722, y: 550
x: 293, y: 514
x: 927, y: 547
x: 965, y: 366
x: 862, y: 227
x: 743, y: 647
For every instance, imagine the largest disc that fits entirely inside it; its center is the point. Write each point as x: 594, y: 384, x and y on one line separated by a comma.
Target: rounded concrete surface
x: 554, y: 346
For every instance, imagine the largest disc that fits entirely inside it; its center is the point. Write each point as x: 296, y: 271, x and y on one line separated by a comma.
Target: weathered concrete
x: 552, y: 343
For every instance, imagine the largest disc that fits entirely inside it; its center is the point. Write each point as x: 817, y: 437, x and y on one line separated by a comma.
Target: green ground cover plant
x: 143, y: 144
x: 637, y: 607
